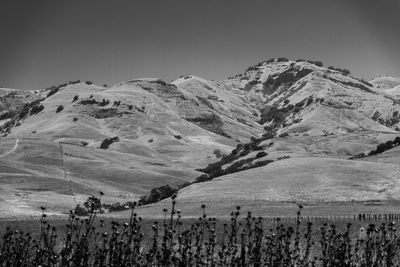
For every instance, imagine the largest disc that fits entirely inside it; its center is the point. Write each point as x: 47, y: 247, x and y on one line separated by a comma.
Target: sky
x: 47, y: 42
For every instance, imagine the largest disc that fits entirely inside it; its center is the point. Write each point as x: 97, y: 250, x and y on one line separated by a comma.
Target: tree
x: 93, y: 205
x: 59, y: 108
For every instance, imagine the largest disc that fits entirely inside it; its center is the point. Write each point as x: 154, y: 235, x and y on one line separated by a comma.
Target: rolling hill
x: 281, y: 131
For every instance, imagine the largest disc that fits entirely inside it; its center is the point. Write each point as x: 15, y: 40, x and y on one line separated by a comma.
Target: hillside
x: 164, y: 132
x: 281, y: 131
x: 315, y: 118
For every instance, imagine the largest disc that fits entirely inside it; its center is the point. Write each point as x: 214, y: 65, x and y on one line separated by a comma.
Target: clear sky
x: 48, y: 42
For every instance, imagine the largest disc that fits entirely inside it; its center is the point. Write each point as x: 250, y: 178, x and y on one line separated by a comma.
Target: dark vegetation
x: 157, y: 194
x: 54, y: 89
x: 244, y: 240
x: 59, y: 108
x: 205, y: 101
x: 210, y: 122
x: 356, y: 85
x: 107, y: 142
x: 315, y: 62
x: 285, y: 79
x: 389, y: 122
x: 92, y: 101
x: 178, y: 136
x: 382, y: 147
x: 343, y: 71
x: 15, y: 117
x: 103, y: 113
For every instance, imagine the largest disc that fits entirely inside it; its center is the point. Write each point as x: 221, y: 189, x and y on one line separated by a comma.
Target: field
x: 243, y: 239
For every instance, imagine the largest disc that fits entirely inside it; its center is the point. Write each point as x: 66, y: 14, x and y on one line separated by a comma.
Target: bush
x: 84, y: 143
x: 36, y: 109
x: 89, y: 82
x: 104, y: 102
x: 75, y: 119
x: 59, y: 108
x: 218, y: 154
x: 261, y: 154
x: 107, y: 142
x: 90, y: 101
x: 76, y: 97
x: 179, y: 137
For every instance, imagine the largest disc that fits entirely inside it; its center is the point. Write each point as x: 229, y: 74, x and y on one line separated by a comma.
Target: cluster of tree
x: 118, y: 206
x: 352, y: 84
x: 6, y: 115
x: 104, y: 102
x: 343, y: 71
x: 286, y: 79
x: 141, y: 109
x: 117, y: 103
x: 107, y: 142
x: 275, y: 114
x: 157, y: 194
x: 382, y: 147
x: 90, y: 206
x: 315, y: 62
x: 92, y: 101
x: 54, y: 89
x: 30, y: 108
x: 211, y: 122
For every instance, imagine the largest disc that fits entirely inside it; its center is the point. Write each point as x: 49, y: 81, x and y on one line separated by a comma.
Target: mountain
x: 281, y: 131
x: 385, y: 82
x: 164, y: 131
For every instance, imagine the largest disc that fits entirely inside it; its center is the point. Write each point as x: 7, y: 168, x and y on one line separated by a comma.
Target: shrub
x: 107, y: 142
x: 59, y: 108
x: 218, y: 154
x: 104, y: 102
x: 76, y: 97
x: 36, y: 109
x: 179, y: 137
x: 90, y: 101
x: 75, y: 119
x: 261, y: 154
x: 89, y: 82
x: 84, y: 143
x: 273, y: 113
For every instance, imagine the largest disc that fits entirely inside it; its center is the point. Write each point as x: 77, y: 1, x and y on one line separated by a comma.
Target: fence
x: 345, y: 218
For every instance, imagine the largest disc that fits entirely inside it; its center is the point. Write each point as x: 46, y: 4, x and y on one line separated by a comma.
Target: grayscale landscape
x: 199, y: 133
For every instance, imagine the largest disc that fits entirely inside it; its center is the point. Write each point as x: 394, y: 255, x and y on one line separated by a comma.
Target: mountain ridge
x: 162, y: 132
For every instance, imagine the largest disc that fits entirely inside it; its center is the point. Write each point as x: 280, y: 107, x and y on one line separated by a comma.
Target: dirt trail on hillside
x: 12, y: 150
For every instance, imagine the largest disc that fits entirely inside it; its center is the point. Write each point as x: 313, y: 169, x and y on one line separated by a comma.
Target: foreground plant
x: 242, y: 241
